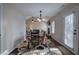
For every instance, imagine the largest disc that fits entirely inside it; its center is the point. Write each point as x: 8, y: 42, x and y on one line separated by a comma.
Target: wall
x: 36, y: 25
x: 0, y: 28
x: 59, y: 25
x: 40, y: 26
x: 12, y: 28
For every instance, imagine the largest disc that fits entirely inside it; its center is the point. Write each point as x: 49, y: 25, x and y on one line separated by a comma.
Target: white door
x: 71, y: 31
x: 69, y: 27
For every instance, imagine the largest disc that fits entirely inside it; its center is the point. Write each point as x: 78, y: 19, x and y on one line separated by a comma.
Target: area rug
x: 46, y: 51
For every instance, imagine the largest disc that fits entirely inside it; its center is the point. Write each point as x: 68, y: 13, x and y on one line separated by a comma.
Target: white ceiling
x: 32, y: 9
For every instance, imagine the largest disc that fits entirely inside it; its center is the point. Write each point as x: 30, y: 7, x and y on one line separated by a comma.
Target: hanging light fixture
x: 39, y: 18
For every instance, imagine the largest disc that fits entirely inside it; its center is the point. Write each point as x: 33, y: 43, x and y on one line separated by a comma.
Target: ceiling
x: 33, y: 9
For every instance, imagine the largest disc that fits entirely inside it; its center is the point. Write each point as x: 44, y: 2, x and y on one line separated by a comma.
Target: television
x: 35, y: 31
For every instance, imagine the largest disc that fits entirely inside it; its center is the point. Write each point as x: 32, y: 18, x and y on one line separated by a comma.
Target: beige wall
x: 0, y: 19
x: 59, y: 25
x: 36, y: 25
x: 12, y: 28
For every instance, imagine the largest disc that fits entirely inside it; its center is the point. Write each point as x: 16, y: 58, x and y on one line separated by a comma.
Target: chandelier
x: 38, y: 19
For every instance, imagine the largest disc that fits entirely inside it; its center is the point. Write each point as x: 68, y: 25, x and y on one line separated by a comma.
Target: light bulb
x: 43, y: 19
x: 39, y: 20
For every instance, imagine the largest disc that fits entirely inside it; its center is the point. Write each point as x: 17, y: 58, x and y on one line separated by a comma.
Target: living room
x: 20, y: 21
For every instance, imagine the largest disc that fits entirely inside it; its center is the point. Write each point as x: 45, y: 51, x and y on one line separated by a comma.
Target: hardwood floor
x: 53, y: 44
x: 64, y: 50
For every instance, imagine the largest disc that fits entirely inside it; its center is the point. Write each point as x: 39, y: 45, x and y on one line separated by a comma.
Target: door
x: 71, y: 31
x: 69, y: 27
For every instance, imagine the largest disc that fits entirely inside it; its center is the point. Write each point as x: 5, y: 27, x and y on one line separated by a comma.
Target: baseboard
x: 64, y: 46
x: 7, y: 52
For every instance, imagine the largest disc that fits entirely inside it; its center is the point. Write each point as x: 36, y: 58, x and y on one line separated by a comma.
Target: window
x: 53, y: 27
